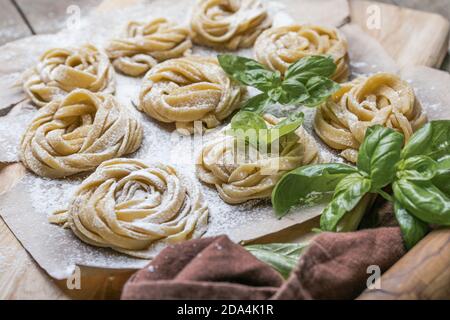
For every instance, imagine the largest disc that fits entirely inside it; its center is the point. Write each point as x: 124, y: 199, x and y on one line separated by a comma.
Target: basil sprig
x: 283, y: 257
x: 419, y: 176
x: 306, y: 81
x: 422, y: 183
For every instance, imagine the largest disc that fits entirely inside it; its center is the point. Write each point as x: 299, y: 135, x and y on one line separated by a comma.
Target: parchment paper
x: 26, y: 206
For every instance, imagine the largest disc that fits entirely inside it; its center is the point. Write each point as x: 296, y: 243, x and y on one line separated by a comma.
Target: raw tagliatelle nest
x: 128, y: 205
x: 78, y: 133
x: 60, y: 71
x: 189, y: 89
x: 278, y: 48
x: 146, y: 44
x: 241, y: 172
x: 228, y: 24
x: 382, y: 99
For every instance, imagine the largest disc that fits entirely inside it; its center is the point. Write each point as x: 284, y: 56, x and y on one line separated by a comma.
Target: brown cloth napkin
x: 333, y: 267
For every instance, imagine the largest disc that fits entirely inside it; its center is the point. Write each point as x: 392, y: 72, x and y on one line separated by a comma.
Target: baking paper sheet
x: 26, y: 206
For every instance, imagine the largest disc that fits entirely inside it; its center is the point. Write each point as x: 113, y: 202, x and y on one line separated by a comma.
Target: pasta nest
x: 382, y: 99
x: 278, y: 48
x: 228, y: 24
x: 78, y: 133
x: 129, y: 206
x: 242, y: 172
x: 60, y: 71
x: 146, y: 44
x: 189, y: 89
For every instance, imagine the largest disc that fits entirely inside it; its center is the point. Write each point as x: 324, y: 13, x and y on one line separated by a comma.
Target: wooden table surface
x: 22, y: 18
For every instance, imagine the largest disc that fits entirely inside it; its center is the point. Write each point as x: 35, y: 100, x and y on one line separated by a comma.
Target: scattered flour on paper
x: 11, y: 129
x: 4, y: 259
x: 160, y: 144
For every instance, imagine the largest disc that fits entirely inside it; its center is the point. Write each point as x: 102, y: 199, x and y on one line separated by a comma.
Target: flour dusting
x: 27, y: 207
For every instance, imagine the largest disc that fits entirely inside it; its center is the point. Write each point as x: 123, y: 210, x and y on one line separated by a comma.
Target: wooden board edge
x: 359, y: 14
x: 423, y: 273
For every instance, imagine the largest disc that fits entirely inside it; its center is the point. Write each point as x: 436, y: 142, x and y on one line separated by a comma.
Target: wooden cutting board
x: 411, y: 37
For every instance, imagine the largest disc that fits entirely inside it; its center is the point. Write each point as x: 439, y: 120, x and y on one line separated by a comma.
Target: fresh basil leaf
x: 286, y: 126
x: 249, y: 72
x: 306, y: 80
x: 319, y: 90
x: 443, y: 164
x: 417, y: 168
x: 275, y: 93
x: 379, y: 154
x: 353, y: 219
x: 318, y: 65
x: 283, y: 257
x: 300, y: 78
x: 257, y: 103
x: 294, y: 92
x: 245, y: 126
x: 413, y: 229
x: 432, y: 140
x: 300, y: 185
x: 442, y: 177
x: 349, y: 192
x: 247, y: 120
x: 423, y: 200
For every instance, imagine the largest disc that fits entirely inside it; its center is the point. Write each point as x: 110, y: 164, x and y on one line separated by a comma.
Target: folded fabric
x: 333, y: 267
